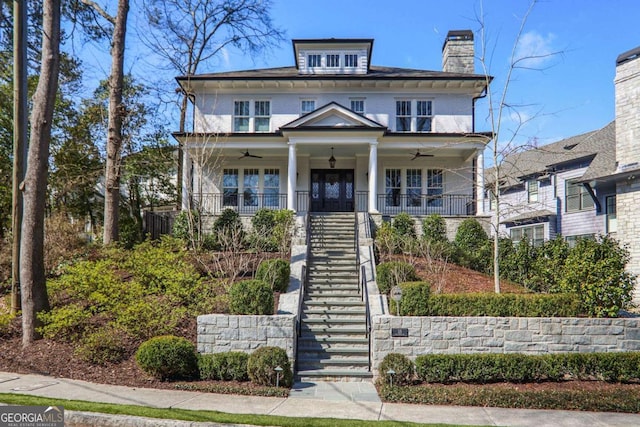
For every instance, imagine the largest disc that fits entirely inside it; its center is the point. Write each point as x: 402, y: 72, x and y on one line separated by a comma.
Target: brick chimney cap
x: 628, y: 56
x: 458, y: 35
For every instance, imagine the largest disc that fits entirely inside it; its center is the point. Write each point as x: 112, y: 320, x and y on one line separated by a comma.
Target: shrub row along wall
x: 222, y: 332
x: 527, y: 335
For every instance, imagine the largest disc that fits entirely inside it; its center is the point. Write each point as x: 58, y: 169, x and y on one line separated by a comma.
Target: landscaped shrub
x: 550, y: 259
x: 251, y: 297
x: 274, y: 272
x: 107, y: 345
x: 228, y: 230
x: 225, y: 366
x: 523, y: 368
x: 387, y: 241
x: 404, y: 225
x: 434, y: 228
x: 401, y: 365
x: 415, y: 299
x: 283, y: 230
x: 505, y: 305
x: 262, y: 363
x: 168, y: 358
x: 390, y: 274
x: 475, y: 248
x: 595, y: 270
x: 263, y: 225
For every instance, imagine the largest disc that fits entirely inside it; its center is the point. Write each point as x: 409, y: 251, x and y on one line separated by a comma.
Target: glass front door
x: 332, y: 190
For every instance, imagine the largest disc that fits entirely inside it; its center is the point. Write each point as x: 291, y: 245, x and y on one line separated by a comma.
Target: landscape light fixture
x: 391, y: 373
x: 278, y: 369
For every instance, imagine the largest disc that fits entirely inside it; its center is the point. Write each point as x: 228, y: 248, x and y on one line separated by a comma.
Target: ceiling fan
x: 419, y: 154
x: 247, y: 154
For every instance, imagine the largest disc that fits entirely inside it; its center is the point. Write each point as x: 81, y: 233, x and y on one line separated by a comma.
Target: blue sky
x: 569, y: 93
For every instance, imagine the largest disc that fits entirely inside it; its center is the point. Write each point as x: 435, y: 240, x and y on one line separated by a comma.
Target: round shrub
x: 168, y: 358
x: 262, y: 363
x: 250, y: 297
x: 401, y: 365
x: 274, y: 272
x: 389, y: 274
x: 404, y: 225
x: 103, y: 346
x: 434, y: 228
x: 415, y: 299
x: 470, y: 235
x: 225, y: 366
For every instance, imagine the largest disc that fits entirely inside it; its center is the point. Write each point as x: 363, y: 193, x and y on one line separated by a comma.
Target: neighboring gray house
x: 581, y: 186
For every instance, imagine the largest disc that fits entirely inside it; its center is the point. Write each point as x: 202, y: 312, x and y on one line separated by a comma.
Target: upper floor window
x: 314, y: 60
x: 532, y: 191
x: 333, y: 60
x: 577, y: 198
x: 243, y: 121
x: 423, y: 116
x: 403, y: 116
x: 413, y: 116
x: 357, y: 105
x: 307, y: 106
x: 351, y: 60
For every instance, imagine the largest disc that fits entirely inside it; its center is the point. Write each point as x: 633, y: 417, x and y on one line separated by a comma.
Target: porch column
x: 373, y: 176
x: 186, y: 179
x: 291, y: 179
x: 480, y: 182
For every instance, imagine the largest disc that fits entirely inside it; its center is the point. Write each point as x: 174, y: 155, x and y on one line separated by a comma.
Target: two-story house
x: 336, y: 133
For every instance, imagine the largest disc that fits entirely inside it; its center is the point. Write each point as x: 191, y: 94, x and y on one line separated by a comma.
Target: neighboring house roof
x: 599, y: 145
x: 529, y: 216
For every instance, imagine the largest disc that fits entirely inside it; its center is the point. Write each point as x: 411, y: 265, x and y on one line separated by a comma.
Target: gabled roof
x: 332, y: 115
x: 598, y: 147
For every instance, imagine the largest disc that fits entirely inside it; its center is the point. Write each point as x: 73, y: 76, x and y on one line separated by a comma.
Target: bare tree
x: 32, y: 274
x: 117, y: 110
x: 188, y: 33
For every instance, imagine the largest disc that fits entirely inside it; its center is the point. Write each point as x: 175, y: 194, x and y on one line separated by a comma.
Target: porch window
x: 403, y: 116
x: 435, y: 187
x: 333, y: 60
x: 423, y: 119
x: 414, y: 187
x: 250, y: 187
x: 230, y: 187
x: 271, y: 187
x: 577, y: 198
x: 262, y: 113
x: 534, y: 233
x: 393, y: 186
x: 307, y: 106
x: 357, y: 105
x: 532, y: 191
x: 351, y: 60
x: 612, y: 219
x: 241, y: 116
x: 314, y: 60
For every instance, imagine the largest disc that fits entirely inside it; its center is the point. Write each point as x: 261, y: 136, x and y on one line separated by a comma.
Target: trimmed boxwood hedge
x: 415, y: 299
x: 621, y: 367
x: 225, y: 366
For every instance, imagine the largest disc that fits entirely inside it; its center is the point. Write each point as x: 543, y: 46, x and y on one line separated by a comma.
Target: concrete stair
x: 333, y: 345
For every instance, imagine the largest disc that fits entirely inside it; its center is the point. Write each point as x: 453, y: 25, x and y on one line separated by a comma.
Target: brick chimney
x: 458, y: 52
x: 627, y: 86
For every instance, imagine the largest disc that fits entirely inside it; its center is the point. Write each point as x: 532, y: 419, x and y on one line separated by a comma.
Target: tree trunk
x: 32, y: 276
x: 114, y: 134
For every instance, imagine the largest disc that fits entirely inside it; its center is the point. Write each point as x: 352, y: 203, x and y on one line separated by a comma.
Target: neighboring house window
x: 230, y: 187
x: 307, y: 106
x: 492, y: 201
x: 577, y: 197
x: 532, y: 191
x: 250, y: 183
x: 262, y: 113
x: 393, y: 186
x: 241, y: 116
x: 423, y: 119
x: 612, y: 219
x: 314, y: 60
x: 403, y: 116
x: 414, y: 187
x: 351, y: 60
x: 357, y: 105
x: 435, y: 187
x: 534, y: 233
x: 333, y: 60
x: 573, y: 240
x: 271, y: 187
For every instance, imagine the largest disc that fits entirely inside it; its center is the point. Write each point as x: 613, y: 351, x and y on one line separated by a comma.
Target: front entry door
x: 332, y: 190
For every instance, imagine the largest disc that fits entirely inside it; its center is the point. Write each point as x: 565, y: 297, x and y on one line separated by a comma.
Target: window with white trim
x: 403, y: 116
x: 414, y: 115
x: 357, y: 105
x: 612, y: 218
x: 244, y: 121
x: 351, y: 60
x: 532, y: 191
x: 435, y: 187
x: 241, y: 116
x: 572, y: 241
x: 271, y: 188
x: 577, y: 198
x: 533, y: 233
x: 423, y: 116
x: 230, y: 187
x: 262, y: 114
x: 251, y: 188
x: 314, y: 60
x: 333, y: 60
x: 414, y: 187
x: 393, y: 186
x: 307, y: 106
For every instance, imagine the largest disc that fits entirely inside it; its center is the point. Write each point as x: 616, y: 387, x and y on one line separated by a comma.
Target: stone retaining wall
x: 222, y: 332
x: 448, y: 335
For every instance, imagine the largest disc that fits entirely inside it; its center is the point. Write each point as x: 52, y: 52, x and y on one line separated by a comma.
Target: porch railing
x: 244, y: 203
x: 423, y: 204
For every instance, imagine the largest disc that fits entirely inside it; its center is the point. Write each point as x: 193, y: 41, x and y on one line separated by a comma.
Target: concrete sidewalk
x: 325, y: 400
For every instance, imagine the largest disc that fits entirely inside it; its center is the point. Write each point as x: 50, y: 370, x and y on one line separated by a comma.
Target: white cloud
x: 534, y: 50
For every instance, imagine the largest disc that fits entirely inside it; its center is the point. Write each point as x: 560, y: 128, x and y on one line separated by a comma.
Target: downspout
x: 592, y: 193
x: 473, y: 130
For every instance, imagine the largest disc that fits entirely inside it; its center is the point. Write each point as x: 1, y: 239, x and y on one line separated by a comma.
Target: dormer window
x: 333, y: 60
x: 351, y: 60
x: 314, y: 60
